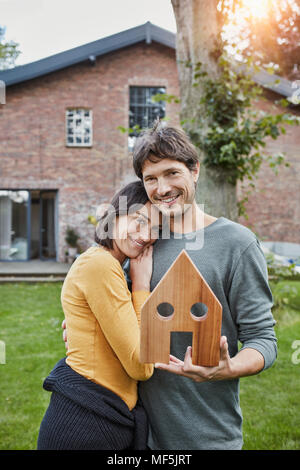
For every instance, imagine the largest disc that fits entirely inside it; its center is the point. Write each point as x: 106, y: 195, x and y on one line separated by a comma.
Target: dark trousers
x: 68, y: 426
x: 85, y: 416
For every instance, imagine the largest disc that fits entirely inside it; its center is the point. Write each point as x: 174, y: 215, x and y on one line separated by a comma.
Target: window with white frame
x: 79, y: 127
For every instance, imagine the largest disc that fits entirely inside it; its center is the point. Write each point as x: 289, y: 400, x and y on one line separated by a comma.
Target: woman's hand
x: 64, y: 328
x: 141, y: 270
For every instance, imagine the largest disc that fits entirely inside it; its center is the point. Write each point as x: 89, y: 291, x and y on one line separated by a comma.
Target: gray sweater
x: 184, y: 414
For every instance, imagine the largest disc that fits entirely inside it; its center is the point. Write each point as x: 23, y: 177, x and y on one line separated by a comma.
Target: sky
x: 46, y: 27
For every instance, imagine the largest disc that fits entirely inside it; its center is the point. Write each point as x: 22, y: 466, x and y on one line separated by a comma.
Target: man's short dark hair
x: 163, y: 142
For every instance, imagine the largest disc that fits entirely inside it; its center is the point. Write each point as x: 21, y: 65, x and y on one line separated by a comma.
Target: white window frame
x: 79, y: 129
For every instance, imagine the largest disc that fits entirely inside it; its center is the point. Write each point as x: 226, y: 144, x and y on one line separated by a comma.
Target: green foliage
x: 72, y: 237
x: 130, y: 130
x: 284, y: 294
x: 159, y: 97
x: 165, y: 97
x: 279, y: 272
x: 236, y: 133
x: 8, y: 51
x: 284, y: 283
x: 92, y: 220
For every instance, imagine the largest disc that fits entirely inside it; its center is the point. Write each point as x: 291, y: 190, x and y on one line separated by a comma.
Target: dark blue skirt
x: 83, y: 415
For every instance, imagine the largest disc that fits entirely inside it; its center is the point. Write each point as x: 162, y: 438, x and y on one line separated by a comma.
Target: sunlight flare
x: 257, y: 8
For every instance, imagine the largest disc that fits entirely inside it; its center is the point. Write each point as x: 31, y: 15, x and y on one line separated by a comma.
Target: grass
x: 30, y: 326
x: 270, y: 401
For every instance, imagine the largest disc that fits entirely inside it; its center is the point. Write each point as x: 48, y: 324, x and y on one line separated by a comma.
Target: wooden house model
x: 177, y: 304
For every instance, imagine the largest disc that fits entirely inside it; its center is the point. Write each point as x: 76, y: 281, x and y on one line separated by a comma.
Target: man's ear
x: 196, y: 172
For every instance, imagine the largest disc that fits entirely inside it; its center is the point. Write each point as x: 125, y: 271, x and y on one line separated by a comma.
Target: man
x: 203, y: 413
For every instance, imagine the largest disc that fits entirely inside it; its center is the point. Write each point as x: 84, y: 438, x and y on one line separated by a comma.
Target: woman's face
x: 134, y: 232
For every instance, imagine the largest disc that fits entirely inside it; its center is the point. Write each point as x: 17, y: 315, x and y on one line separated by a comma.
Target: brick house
x: 62, y: 154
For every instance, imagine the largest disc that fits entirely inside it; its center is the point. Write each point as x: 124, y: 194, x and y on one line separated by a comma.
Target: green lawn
x: 30, y: 326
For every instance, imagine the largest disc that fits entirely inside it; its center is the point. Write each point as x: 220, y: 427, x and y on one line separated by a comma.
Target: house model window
x: 143, y: 110
x: 79, y: 126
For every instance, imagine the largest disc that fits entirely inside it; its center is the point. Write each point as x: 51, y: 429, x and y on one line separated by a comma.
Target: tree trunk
x: 198, y: 33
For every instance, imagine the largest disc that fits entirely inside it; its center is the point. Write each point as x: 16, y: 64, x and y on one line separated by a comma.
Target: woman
x: 94, y: 403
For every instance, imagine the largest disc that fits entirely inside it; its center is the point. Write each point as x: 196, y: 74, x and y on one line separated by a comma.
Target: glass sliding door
x: 28, y: 222
x: 5, y: 225
x: 47, y: 224
x: 14, y: 225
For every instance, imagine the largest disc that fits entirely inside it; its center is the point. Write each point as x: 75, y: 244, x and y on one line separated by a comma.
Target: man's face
x: 170, y: 185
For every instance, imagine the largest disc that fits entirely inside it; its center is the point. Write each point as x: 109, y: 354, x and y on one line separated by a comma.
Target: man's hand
x: 246, y: 362
x: 200, y: 373
x: 64, y: 327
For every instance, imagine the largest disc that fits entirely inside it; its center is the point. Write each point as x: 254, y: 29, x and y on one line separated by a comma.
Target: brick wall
x: 274, y: 206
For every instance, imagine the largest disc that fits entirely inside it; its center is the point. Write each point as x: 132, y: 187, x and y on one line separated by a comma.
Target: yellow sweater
x: 103, y: 324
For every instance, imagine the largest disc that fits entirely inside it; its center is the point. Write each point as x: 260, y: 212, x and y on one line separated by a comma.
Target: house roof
x: 278, y: 84
x: 147, y: 32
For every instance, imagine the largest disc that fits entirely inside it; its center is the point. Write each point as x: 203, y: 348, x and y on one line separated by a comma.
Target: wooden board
x: 182, y: 286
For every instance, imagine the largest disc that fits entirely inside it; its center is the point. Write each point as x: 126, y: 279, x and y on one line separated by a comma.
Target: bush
x: 72, y: 237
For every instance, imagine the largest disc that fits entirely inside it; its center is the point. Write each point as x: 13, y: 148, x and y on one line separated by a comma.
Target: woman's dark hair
x: 124, y: 202
x: 163, y: 142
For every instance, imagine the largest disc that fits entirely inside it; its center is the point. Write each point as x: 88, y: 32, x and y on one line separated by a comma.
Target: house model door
x: 183, y: 293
